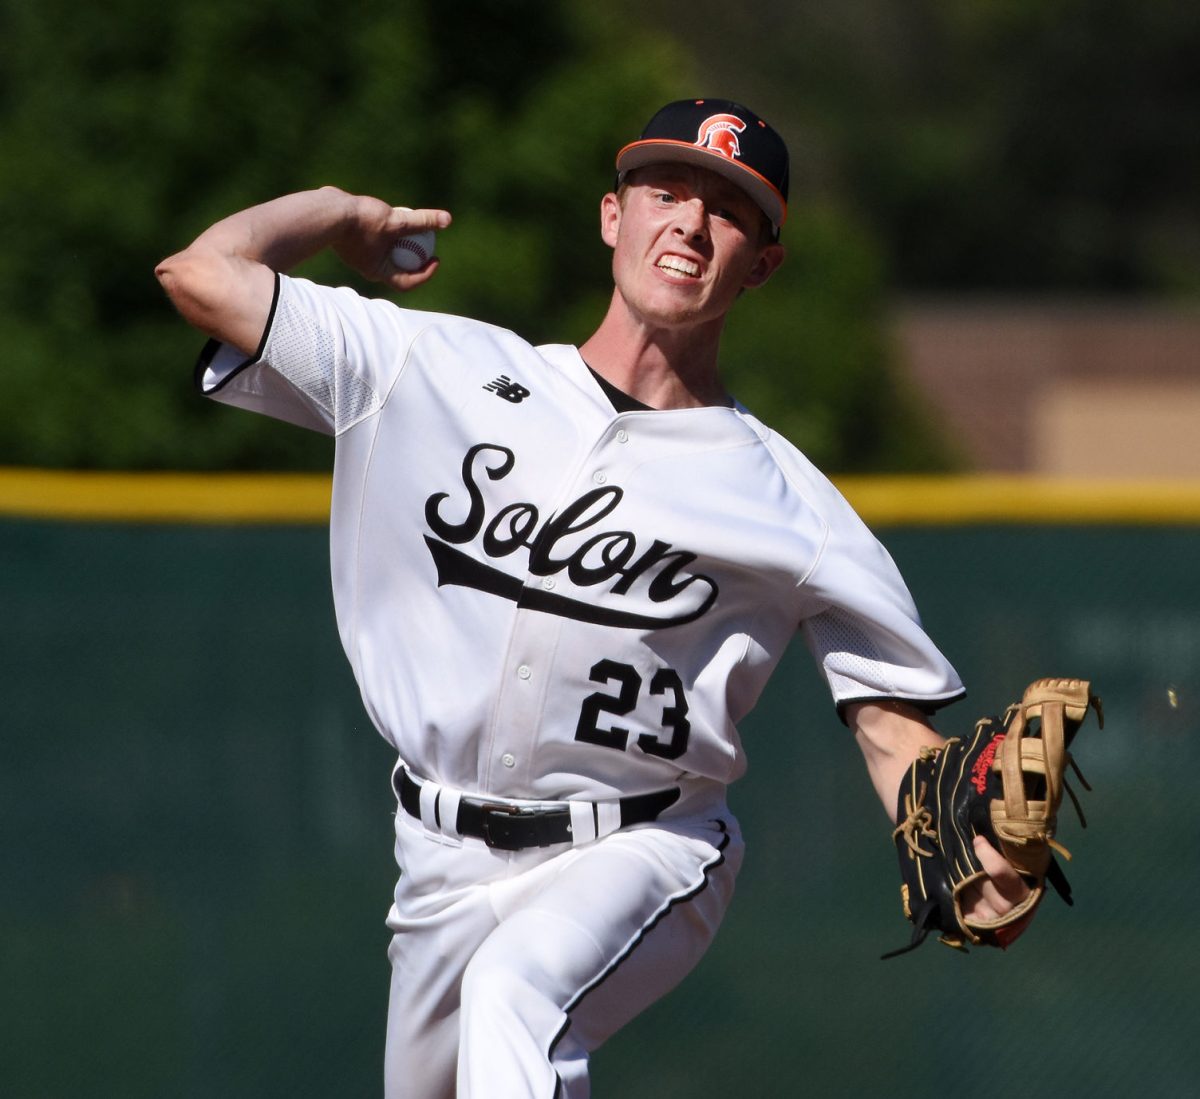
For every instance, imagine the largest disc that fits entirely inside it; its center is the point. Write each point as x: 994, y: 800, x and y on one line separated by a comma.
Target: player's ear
x: 610, y: 219
x: 765, y: 266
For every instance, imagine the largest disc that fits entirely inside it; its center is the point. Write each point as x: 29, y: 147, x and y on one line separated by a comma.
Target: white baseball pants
x: 509, y: 968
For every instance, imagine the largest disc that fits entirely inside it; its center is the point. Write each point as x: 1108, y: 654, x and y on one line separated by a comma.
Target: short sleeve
x: 327, y: 358
x: 867, y: 638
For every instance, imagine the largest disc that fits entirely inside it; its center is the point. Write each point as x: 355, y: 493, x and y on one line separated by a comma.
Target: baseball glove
x: 1004, y: 782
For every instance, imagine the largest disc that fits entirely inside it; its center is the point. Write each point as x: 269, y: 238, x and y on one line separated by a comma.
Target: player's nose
x: 691, y: 219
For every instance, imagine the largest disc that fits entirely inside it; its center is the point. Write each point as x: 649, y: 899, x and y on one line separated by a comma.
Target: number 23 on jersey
x: 628, y: 690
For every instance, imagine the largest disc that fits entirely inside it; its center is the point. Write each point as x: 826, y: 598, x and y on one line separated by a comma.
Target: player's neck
x: 659, y: 366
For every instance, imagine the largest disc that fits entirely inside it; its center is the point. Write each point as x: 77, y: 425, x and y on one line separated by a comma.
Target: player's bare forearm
x: 224, y: 282
x: 890, y: 734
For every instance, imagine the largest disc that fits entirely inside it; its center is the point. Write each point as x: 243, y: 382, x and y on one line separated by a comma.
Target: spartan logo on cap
x: 718, y: 133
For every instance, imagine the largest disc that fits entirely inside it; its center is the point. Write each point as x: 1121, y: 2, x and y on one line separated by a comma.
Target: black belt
x: 512, y: 828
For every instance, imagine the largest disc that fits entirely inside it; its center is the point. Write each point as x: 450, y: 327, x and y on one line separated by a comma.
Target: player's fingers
x: 406, y: 220
x: 997, y: 894
x: 1004, y: 886
x: 981, y: 902
x: 410, y: 280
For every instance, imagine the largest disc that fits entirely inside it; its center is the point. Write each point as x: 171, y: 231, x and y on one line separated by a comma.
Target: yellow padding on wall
x: 165, y: 497
x: 987, y: 498
x: 304, y: 498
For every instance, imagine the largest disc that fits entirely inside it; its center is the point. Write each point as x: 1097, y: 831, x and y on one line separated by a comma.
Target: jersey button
x: 548, y: 583
x: 523, y: 672
x: 599, y: 477
x: 508, y: 759
x: 622, y: 436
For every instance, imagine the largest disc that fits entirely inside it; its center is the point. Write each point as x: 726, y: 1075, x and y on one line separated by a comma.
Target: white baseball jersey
x: 544, y: 598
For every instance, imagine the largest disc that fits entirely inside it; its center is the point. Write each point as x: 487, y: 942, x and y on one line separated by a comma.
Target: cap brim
x: 663, y: 151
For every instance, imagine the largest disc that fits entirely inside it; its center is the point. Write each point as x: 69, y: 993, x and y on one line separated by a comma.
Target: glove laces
x: 917, y: 824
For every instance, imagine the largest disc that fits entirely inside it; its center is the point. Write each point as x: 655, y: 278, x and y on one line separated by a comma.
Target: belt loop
x: 430, y: 792
x: 439, y: 813
x: 583, y: 822
x: 608, y: 817
x: 448, y: 815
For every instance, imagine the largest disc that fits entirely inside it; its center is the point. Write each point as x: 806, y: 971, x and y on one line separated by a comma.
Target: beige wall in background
x: 1107, y: 429
x: 1080, y: 389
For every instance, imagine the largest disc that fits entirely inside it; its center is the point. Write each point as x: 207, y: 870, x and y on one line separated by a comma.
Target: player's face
x: 685, y: 243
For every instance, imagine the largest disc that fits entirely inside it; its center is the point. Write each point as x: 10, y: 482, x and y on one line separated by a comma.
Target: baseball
x: 411, y: 253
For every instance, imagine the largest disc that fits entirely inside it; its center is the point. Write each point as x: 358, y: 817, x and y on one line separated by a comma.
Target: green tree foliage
x: 127, y: 128
x: 1044, y: 146
x: 988, y: 145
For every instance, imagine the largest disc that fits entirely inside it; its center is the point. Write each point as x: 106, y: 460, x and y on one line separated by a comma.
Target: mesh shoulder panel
x: 848, y: 655
x: 311, y: 358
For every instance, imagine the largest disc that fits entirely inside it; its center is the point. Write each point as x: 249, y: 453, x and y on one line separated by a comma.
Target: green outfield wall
x: 195, y: 816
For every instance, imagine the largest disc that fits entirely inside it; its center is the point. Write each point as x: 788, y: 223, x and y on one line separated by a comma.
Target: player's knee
x: 492, y: 985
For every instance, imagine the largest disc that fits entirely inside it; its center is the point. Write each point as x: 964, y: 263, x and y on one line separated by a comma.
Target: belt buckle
x: 493, y: 819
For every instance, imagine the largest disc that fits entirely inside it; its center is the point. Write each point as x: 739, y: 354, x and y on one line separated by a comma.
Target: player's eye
x: 664, y: 198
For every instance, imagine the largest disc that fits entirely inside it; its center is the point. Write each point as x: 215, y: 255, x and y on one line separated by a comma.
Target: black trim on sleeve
x: 925, y: 705
x: 210, y: 349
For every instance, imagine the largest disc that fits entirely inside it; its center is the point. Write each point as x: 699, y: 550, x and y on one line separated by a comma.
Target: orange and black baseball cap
x: 723, y: 137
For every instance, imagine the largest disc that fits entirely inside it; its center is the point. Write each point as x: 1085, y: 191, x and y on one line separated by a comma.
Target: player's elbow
x: 188, y: 277
x: 222, y: 296
x: 201, y: 284
x: 165, y: 272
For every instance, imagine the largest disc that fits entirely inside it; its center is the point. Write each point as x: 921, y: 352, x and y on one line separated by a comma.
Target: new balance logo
x: 505, y: 387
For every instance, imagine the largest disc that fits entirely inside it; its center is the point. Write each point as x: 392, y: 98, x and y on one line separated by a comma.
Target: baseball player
x: 562, y: 576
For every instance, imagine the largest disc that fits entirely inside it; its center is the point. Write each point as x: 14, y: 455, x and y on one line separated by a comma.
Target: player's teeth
x: 684, y: 267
